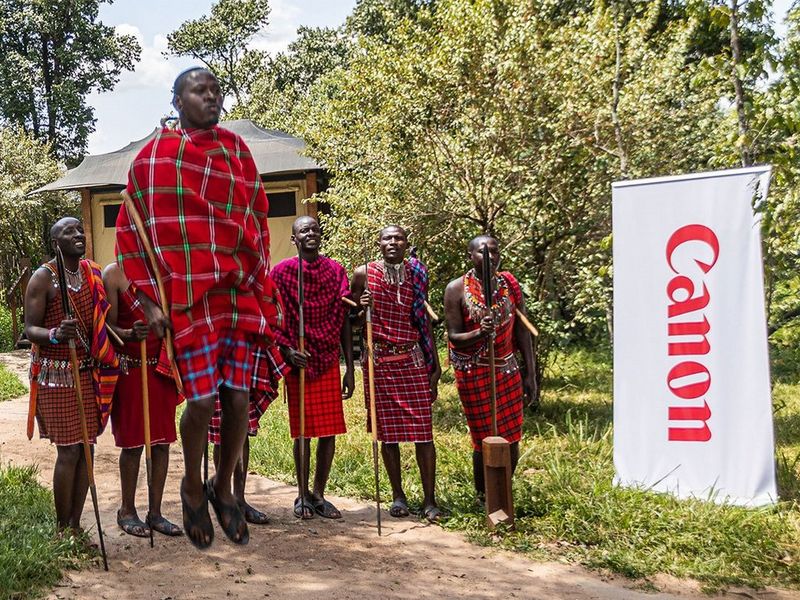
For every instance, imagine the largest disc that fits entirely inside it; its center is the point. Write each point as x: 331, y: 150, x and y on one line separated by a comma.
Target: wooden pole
x: 486, y: 269
x: 148, y: 451
x: 301, y: 346
x: 373, y: 413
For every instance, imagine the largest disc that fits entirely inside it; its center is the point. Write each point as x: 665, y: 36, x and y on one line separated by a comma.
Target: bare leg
x: 477, y: 475
x: 64, y: 475
x: 129, y: 460
x: 426, y: 460
x: 194, y: 437
x: 251, y: 514
x: 391, y: 460
x: 326, y: 447
x: 80, y: 488
x: 514, y: 456
x: 160, y: 454
x: 302, y: 474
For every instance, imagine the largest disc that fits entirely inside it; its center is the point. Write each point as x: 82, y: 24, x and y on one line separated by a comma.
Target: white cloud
x: 153, y: 69
x: 284, y: 19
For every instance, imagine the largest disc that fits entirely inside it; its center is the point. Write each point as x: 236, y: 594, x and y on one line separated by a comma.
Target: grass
x: 566, y: 506
x: 32, y: 556
x: 10, y: 385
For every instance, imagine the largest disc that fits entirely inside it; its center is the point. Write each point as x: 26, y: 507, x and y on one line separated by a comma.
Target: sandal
x: 253, y: 515
x: 433, y: 514
x: 234, y: 517
x: 197, y: 519
x: 399, y: 509
x: 163, y: 526
x: 133, y: 526
x: 303, y: 509
x: 325, y: 509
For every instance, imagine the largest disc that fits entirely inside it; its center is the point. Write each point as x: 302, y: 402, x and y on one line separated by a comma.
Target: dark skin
x: 70, y: 475
x: 460, y: 338
x: 393, y: 244
x: 130, y: 458
x: 307, y: 235
x: 199, y: 103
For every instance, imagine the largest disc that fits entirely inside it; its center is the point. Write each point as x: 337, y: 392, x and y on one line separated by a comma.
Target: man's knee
x: 231, y: 398
x: 200, y: 409
x: 69, y: 455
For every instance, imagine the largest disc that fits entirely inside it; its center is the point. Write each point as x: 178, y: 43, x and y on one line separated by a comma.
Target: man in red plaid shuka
x: 200, y: 196
x: 327, y: 328
x: 406, y: 378
x: 469, y: 324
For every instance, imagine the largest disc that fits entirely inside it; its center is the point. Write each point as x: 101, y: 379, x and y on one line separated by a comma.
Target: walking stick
x: 76, y: 378
x: 301, y: 346
x: 486, y: 277
x: 373, y: 413
x: 148, y: 453
x: 496, y: 451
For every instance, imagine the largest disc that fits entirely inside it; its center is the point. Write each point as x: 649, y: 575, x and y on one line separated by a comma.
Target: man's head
x: 306, y: 232
x: 475, y: 251
x: 393, y: 241
x: 67, y: 234
x: 197, y: 97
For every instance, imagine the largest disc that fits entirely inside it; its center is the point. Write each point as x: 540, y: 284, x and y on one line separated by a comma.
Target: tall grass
x: 566, y: 504
x: 10, y: 385
x: 32, y: 555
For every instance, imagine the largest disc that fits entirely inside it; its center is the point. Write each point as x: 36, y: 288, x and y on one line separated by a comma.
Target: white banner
x: 692, y: 407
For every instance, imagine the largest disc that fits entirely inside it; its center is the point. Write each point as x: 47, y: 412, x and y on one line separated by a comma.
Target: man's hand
x: 531, y: 391
x: 138, y: 332
x: 348, y: 384
x: 67, y: 330
x: 487, y: 326
x: 366, y: 299
x: 153, y: 314
x: 436, y: 374
x: 295, y: 357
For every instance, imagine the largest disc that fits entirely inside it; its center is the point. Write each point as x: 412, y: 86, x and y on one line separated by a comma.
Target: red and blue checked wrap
x: 199, y: 194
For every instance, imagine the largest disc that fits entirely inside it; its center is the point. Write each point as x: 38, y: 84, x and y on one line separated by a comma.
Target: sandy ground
x: 290, y: 558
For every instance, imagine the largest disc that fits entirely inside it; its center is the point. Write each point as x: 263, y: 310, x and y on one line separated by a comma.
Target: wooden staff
x: 148, y: 451
x: 528, y: 325
x: 486, y: 268
x: 301, y: 346
x: 148, y: 248
x: 373, y: 413
x: 76, y: 378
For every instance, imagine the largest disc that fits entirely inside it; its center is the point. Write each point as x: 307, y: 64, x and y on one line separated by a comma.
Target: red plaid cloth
x: 402, y: 387
x: 56, y: 407
x: 323, y: 404
x: 268, y: 368
x: 200, y: 196
x: 324, y: 283
x: 127, y: 415
x: 473, y: 379
x: 211, y: 362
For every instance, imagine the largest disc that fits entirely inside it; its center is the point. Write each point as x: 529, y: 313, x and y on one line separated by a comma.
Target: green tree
x: 25, y: 165
x: 53, y: 53
x: 220, y: 40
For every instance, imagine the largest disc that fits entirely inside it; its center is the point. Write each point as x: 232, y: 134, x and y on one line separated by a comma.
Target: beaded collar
x: 476, y: 305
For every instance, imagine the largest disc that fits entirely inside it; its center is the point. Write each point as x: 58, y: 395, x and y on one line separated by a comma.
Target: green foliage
x: 25, y: 165
x: 32, y: 555
x: 10, y: 385
x: 220, y: 40
x: 566, y: 505
x: 52, y: 55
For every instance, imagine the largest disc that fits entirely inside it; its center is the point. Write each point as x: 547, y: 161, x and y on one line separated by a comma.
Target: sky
x: 142, y: 97
x: 135, y: 106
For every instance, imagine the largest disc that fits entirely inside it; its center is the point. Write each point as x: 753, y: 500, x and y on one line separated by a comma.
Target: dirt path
x: 293, y: 559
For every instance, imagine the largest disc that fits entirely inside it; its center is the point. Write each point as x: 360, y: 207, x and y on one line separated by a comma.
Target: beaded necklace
x: 475, y: 303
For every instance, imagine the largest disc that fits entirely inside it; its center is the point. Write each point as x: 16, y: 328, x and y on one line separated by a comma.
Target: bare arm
x: 114, y: 281
x: 348, y: 381
x: 37, y: 295
x: 453, y: 298
x: 523, y: 341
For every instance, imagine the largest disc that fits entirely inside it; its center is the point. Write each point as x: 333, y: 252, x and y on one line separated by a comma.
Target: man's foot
x: 132, y: 525
x: 325, y: 509
x: 162, y: 526
x: 433, y: 513
x: 229, y: 516
x: 303, y: 509
x: 399, y: 508
x: 253, y: 515
x: 196, y: 521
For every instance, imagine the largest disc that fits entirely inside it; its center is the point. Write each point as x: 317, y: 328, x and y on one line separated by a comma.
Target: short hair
x: 180, y: 80
x: 405, y: 233
x: 300, y: 218
x: 59, y: 225
x: 478, y: 239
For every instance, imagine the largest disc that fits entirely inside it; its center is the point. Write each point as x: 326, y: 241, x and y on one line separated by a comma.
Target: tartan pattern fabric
x: 56, y: 407
x: 473, y: 382
x: 323, y: 404
x: 419, y: 315
x: 127, y: 415
x: 324, y: 284
x: 200, y: 197
x: 268, y: 369
x: 402, y: 387
x: 214, y: 361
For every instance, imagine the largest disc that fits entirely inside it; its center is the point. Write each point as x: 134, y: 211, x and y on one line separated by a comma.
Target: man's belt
x: 386, y: 352
x: 465, y: 362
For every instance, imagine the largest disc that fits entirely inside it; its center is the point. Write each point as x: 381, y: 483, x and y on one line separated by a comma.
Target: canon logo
x: 689, y: 380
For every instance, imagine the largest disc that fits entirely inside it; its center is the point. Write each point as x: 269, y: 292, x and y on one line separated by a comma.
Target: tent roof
x: 275, y: 152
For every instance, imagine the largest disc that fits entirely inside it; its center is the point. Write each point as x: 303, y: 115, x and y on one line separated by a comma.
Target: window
x: 110, y: 212
x: 282, y: 204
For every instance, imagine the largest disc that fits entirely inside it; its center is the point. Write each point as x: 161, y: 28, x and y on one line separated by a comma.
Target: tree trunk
x: 616, y: 87
x: 736, y: 60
